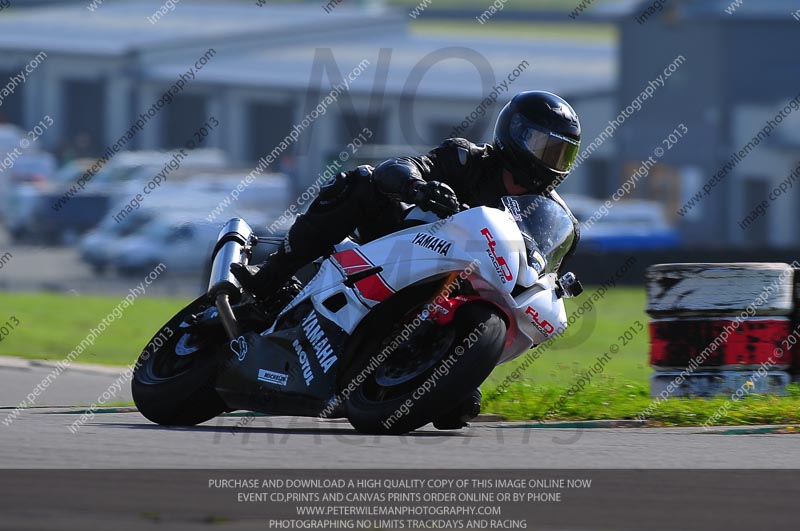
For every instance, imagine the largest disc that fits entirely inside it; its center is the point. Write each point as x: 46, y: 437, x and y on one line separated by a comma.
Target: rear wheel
x: 173, y: 383
x: 426, y: 375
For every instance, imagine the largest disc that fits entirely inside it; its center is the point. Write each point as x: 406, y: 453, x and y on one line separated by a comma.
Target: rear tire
x: 174, y: 390
x: 375, y: 407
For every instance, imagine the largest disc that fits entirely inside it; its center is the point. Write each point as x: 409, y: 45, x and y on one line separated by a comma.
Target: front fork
x: 444, y: 307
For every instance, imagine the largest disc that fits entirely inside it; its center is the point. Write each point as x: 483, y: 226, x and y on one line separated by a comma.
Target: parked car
x: 10, y: 137
x: 167, y: 239
x: 60, y: 220
x: 628, y: 225
x: 29, y: 176
x: 97, y: 246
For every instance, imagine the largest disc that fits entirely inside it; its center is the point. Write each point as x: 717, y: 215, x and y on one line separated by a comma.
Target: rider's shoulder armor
x: 465, y: 151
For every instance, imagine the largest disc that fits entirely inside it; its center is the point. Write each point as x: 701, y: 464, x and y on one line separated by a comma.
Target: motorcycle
x: 392, y: 334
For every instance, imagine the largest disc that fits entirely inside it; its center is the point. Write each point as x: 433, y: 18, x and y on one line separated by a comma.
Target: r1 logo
x: 544, y: 325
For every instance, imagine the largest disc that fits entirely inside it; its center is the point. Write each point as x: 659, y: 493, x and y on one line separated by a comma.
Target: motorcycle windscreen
x: 546, y: 228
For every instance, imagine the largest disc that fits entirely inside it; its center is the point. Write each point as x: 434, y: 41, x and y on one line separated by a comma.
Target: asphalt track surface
x: 40, y: 438
x: 119, y: 471
x: 145, y: 496
x: 117, y: 438
x: 78, y: 384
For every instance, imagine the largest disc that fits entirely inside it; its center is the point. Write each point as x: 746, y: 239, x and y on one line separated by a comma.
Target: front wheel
x: 173, y: 382
x: 425, y: 375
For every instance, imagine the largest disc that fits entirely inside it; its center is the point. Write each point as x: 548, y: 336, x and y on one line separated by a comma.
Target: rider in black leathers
x: 536, y: 141
x: 537, y: 137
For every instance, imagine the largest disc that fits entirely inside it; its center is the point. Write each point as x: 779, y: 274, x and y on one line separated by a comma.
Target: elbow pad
x: 396, y: 178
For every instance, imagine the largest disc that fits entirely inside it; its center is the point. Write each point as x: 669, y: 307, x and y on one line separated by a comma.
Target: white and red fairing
x: 483, y: 242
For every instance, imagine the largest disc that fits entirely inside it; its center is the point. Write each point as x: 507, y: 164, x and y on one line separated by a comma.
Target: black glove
x: 433, y: 196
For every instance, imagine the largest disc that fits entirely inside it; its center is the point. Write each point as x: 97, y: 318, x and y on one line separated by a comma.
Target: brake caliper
x: 443, y: 312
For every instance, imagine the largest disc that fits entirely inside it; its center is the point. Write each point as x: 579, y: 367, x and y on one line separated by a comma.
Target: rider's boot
x: 459, y: 416
x: 265, y: 279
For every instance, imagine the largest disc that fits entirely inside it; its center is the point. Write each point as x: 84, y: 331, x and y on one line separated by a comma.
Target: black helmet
x: 538, y: 137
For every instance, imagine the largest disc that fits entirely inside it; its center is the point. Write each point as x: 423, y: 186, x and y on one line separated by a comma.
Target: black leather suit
x: 370, y: 200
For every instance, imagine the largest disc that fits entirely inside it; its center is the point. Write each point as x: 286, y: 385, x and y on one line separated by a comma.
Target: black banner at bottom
x: 399, y: 499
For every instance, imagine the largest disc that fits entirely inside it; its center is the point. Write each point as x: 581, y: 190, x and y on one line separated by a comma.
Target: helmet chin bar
x: 544, y: 184
x: 525, y: 179
x: 515, y: 176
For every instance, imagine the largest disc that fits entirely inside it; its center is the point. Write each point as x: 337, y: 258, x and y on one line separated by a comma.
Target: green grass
x: 621, y: 390
x: 591, y: 336
x: 527, y: 5
x: 516, y: 30
x: 52, y: 325
x: 609, y: 397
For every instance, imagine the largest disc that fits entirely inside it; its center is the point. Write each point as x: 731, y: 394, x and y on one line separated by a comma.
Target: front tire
x: 391, y: 402
x: 174, y: 390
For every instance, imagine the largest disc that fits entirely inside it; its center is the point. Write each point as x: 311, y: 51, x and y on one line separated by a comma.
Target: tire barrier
x: 718, y: 327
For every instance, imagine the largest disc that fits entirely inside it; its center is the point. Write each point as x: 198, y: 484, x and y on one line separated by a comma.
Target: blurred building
x: 271, y: 66
x: 262, y: 72
x: 741, y: 70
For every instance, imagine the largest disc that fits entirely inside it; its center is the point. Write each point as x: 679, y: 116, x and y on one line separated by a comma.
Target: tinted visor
x: 555, y: 151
